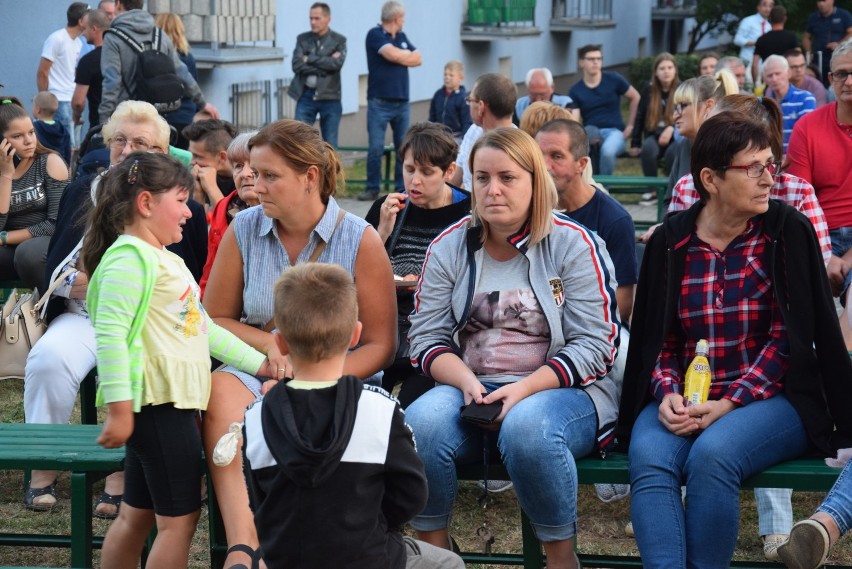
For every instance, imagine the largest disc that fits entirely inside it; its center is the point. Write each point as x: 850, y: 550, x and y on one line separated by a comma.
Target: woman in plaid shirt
x: 746, y: 273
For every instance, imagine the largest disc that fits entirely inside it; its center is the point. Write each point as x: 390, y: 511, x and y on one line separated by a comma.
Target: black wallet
x: 481, y: 414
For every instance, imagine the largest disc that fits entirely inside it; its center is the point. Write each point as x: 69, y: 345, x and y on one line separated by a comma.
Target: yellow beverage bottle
x: 698, y: 378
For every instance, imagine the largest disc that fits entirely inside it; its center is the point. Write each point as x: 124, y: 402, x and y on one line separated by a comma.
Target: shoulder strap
x: 312, y: 259
x: 46, y: 296
x: 156, y: 39
x: 127, y: 39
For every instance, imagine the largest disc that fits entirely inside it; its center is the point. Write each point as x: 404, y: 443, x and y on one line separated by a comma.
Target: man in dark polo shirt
x: 389, y: 55
x: 827, y: 28
x: 88, y: 76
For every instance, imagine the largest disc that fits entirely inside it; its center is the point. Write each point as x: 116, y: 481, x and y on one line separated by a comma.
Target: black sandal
x: 243, y: 548
x: 112, y: 500
x: 32, y: 493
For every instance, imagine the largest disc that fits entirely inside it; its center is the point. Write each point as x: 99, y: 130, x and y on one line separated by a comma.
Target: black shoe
x: 112, y: 500
x: 254, y: 554
x: 368, y: 196
x: 32, y: 493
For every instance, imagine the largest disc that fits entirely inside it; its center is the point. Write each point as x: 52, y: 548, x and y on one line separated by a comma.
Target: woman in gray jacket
x: 515, y: 306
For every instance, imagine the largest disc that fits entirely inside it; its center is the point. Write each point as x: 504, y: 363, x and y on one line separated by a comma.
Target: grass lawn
x: 601, y: 526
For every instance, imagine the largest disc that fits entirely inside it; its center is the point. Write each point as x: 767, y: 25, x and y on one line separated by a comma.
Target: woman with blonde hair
x: 173, y: 26
x: 515, y: 310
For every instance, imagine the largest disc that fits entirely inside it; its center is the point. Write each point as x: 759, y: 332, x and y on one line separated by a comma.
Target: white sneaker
x: 771, y: 543
x: 495, y: 486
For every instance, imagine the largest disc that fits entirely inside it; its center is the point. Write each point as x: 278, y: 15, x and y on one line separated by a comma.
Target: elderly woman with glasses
x: 59, y: 362
x: 745, y: 273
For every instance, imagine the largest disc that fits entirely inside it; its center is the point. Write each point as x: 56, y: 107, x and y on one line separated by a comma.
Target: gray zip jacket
x: 572, y: 277
x: 313, y: 56
x: 119, y: 60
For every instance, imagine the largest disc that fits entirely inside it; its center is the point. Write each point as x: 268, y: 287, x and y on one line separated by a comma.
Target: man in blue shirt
x: 795, y: 103
x: 598, y: 96
x: 565, y: 147
x: 827, y: 28
x: 540, y: 88
x: 389, y: 55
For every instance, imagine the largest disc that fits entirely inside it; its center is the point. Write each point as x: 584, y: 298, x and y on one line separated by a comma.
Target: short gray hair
x: 548, y: 76
x: 729, y: 62
x: 843, y: 49
x: 391, y: 9
x: 239, y: 147
x: 777, y: 59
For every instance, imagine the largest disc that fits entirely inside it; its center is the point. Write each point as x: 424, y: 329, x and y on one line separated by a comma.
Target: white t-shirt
x: 472, y: 135
x: 64, y: 52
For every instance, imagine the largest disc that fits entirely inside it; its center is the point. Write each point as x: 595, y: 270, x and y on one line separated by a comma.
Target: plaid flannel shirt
x: 792, y: 190
x: 727, y: 298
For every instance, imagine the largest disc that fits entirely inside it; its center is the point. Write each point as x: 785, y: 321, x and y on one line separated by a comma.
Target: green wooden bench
x: 388, y: 152
x: 72, y: 448
x: 805, y: 475
x: 637, y: 185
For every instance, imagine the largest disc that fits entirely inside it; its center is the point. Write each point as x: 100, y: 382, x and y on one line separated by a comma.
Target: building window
x: 582, y: 9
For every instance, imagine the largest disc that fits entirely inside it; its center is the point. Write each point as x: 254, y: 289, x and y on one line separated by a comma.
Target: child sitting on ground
x: 449, y: 106
x: 330, y: 464
x: 50, y: 132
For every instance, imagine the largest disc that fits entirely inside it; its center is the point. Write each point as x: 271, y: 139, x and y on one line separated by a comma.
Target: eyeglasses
x: 680, y: 107
x: 471, y: 100
x: 756, y: 170
x: 593, y: 58
x: 119, y: 142
x: 840, y: 76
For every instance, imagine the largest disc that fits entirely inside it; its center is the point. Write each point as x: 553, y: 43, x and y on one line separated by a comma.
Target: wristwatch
x: 3, y: 235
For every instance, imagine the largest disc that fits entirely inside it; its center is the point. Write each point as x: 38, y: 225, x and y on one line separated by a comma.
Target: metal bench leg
x: 533, y: 557
x: 81, y: 520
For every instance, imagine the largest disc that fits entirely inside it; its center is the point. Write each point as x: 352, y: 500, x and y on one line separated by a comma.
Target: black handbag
x: 403, y: 348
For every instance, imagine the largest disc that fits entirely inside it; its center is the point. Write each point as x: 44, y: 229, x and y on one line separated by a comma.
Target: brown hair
x: 523, y: 151
x: 719, y: 139
x: 656, y: 113
x: 216, y: 134
x: 173, y: 26
x: 115, y: 198
x: 430, y: 144
x: 498, y: 92
x: 764, y: 110
x: 11, y: 109
x: 302, y: 298
x: 301, y: 146
x: 579, y: 146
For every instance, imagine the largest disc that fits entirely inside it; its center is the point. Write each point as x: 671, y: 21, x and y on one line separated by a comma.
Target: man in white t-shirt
x: 59, y: 57
x: 492, y: 102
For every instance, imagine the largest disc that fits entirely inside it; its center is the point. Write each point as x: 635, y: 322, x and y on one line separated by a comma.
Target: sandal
x: 243, y: 548
x: 112, y: 500
x: 32, y: 494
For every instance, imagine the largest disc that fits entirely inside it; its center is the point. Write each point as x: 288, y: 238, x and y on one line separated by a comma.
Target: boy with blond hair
x: 50, y: 132
x: 449, y: 105
x: 330, y: 464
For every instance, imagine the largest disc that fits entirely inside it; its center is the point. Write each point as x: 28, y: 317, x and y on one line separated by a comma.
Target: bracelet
x: 3, y: 236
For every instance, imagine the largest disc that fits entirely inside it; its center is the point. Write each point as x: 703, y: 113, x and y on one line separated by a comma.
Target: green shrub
x: 641, y: 69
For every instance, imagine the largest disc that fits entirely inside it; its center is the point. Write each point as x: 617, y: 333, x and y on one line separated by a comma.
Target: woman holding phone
x: 32, y: 179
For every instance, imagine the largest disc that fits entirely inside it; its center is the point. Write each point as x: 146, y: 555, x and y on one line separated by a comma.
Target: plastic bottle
x: 698, y: 378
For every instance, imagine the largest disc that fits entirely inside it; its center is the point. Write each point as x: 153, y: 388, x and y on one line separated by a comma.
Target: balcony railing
x: 573, y: 14
x: 500, y: 12
x: 673, y: 9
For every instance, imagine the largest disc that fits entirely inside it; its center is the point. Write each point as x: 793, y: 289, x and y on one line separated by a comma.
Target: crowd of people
x: 497, y: 290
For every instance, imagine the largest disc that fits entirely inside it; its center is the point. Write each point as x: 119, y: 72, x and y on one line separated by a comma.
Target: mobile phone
x: 16, y: 160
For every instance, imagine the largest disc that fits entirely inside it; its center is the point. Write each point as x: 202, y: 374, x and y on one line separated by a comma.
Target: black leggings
x: 162, y: 467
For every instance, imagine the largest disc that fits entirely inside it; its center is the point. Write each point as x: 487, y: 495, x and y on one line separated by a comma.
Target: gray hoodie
x: 573, y: 280
x: 119, y: 60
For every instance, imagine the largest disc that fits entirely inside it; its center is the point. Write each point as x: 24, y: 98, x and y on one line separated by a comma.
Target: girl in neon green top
x: 154, y: 342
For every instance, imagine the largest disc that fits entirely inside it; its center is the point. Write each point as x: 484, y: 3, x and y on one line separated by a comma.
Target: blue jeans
x: 838, y: 503
x: 841, y: 241
x: 538, y: 440
x: 329, y: 112
x: 381, y: 113
x: 63, y: 115
x: 774, y: 510
x: 713, y: 465
x: 612, y: 145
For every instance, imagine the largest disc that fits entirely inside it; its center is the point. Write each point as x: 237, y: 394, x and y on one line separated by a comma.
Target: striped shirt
x: 795, y: 104
x: 792, y: 190
x: 34, y: 202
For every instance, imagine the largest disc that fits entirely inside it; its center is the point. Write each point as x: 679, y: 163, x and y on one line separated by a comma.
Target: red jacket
x: 218, y: 225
